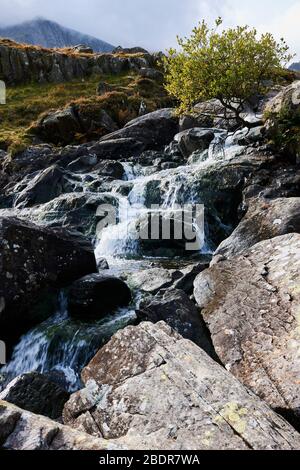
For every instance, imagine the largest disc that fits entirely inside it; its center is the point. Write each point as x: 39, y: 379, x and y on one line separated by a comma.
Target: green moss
x: 27, y: 103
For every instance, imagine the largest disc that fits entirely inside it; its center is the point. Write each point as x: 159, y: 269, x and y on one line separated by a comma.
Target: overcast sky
x: 154, y: 24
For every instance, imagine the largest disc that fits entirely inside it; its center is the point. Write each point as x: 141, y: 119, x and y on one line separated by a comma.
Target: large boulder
x: 22, y: 430
x: 154, y: 390
x: 44, y: 187
x: 33, y: 260
x: 174, y: 307
x: 154, y: 130
x: 194, y: 139
x: 117, y: 148
x: 265, y: 219
x: 36, y: 393
x: 153, y: 280
x: 61, y: 126
x: 251, y: 306
x: 97, y: 295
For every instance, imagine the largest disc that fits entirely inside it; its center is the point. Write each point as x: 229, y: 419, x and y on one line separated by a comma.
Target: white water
x: 62, y: 346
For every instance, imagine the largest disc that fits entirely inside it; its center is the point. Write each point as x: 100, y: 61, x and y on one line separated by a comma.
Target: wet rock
x: 97, y: 295
x: 194, y: 139
x: 251, y: 307
x: 36, y: 393
x: 153, y: 280
x: 35, y: 260
x: 189, y: 274
x: 154, y: 130
x: 151, y: 387
x: 175, y: 308
x: 22, y: 430
x: 265, y: 219
x: 112, y: 169
x: 102, y: 264
x: 44, y: 187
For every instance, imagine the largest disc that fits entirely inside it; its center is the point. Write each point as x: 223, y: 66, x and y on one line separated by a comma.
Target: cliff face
x: 20, y: 64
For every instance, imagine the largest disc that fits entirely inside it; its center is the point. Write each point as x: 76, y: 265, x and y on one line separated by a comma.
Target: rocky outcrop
x: 60, y: 127
x: 175, y: 308
x: 251, y: 307
x: 155, y: 390
x: 154, y: 130
x: 97, y: 295
x: 265, y: 219
x: 20, y: 64
x: 36, y: 393
x: 21, y: 430
x: 34, y: 261
x: 282, y: 120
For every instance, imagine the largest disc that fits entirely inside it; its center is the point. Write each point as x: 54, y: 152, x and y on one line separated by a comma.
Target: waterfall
x: 60, y: 346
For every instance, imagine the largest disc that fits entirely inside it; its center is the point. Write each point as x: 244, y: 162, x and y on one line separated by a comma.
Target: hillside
x: 42, y: 32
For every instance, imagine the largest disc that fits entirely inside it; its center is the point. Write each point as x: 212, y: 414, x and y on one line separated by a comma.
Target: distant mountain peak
x: 43, y: 32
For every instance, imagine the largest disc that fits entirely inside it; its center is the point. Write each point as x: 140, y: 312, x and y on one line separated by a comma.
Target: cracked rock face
x: 264, y: 220
x: 152, y: 389
x: 22, y: 430
x: 251, y: 305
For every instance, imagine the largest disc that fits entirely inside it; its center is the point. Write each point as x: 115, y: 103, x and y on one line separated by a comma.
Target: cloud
x: 154, y: 24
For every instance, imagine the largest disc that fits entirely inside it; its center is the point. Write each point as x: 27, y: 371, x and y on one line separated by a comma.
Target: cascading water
x: 62, y: 346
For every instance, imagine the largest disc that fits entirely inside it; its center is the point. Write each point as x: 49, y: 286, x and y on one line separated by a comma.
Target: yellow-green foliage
x: 26, y: 103
x: 230, y: 65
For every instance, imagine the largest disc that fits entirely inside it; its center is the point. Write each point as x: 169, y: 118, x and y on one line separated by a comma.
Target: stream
x: 61, y: 346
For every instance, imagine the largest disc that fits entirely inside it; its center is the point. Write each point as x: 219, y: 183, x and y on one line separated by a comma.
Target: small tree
x: 232, y: 65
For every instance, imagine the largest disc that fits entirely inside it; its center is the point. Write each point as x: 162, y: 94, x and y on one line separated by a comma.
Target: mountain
x: 295, y: 67
x: 42, y: 32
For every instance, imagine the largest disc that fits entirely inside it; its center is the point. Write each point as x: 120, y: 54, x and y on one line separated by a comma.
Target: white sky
x: 154, y: 24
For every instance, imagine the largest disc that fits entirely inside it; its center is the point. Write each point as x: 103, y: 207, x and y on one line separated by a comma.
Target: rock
x: 97, y: 295
x: 212, y: 114
x: 57, y: 127
x: 102, y: 264
x: 74, y: 211
x: 156, y: 390
x: 153, y: 280
x: 60, y: 127
x: 44, y: 187
x: 129, y: 50
x: 22, y: 430
x: 152, y: 74
x: 109, y: 168
x: 189, y: 274
x: 83, y: 49
x: 251, y: 307
x: 194, y: 139
x: 154, y: 130
x: 265, y: 219
x: 175, y: 308
x: 103, y: 88
x: 249, y: 136
x: 36, y: 393
x: 282, y: 119
x: 117, y: 148
x: 35, y: 260
x: 22, y: 65
x: 273, y: 182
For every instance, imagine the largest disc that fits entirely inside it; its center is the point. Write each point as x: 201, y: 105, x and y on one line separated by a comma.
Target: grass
x: 25, y: 103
